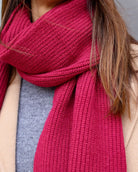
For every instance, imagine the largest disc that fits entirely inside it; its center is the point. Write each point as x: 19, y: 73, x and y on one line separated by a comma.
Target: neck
x: 40, y: 7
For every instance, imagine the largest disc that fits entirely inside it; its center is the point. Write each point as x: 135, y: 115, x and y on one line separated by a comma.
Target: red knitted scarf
x: 77, y: 135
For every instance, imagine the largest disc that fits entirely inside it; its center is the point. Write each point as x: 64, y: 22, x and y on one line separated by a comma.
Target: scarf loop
x: 77, y: 135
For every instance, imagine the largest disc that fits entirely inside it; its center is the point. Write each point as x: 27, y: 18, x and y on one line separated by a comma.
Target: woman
x: 80, y: 51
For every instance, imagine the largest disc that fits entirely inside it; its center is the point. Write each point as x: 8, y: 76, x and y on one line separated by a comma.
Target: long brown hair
x: 116, y: 54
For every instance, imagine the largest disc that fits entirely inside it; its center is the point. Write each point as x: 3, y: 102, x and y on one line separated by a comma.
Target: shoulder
x: 134, y: 47
x: 134, y: 83
x: 134, y: 52
x: 130, y: 125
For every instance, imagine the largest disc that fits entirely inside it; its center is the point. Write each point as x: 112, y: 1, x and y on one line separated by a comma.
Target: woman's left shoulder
x: 130, y: 125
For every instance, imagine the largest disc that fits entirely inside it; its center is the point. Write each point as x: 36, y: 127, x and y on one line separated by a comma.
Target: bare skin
x: 40, y: 7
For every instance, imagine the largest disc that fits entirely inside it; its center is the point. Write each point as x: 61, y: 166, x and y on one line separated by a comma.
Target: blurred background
x: 128, y: 9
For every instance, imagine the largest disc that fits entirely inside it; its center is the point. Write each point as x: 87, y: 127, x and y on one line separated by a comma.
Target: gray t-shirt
x: 35, y: 104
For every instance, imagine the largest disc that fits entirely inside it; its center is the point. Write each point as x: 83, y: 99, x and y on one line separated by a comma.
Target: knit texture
x: 35, y: 104
x: 77, y: 135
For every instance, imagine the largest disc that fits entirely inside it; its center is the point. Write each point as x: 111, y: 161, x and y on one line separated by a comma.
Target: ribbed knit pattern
x: 77, y: 135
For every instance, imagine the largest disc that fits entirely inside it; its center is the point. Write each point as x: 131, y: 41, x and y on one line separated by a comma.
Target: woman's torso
x: 8, y: 123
